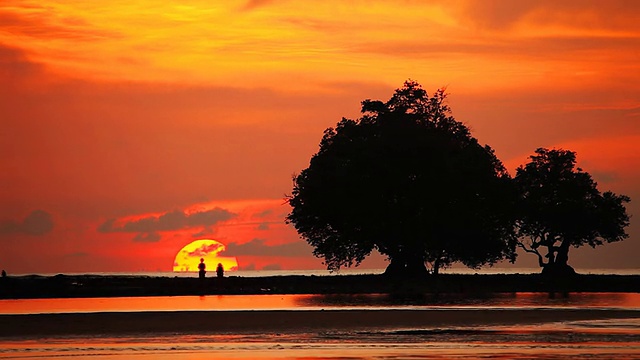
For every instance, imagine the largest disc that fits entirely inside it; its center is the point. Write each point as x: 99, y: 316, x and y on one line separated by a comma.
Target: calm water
x: 317, y: 302
x: 592, y: 339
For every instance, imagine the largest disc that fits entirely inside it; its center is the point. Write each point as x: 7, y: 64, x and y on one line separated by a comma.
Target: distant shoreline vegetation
x: 89, y: 286
x: 324, y: 272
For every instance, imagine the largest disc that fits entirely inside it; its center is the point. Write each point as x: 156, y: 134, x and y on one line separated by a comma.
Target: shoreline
x: 281, y: 321
x: 88, y: 286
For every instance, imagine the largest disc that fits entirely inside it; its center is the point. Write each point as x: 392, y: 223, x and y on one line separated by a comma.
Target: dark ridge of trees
x: 410, y: 181
x: 561, y: 207
x: 92, y: 286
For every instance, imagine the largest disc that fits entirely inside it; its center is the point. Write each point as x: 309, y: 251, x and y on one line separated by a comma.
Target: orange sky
x: 131, y: 128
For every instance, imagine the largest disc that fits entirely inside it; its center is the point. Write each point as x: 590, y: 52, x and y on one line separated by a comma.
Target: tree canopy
x: 409, y: 180
x: 561, y: 207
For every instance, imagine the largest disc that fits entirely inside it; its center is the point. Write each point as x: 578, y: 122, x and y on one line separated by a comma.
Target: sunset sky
x: 132, y: 128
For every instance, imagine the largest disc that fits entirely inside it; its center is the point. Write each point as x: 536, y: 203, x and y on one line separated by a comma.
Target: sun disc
x: 189, y: 256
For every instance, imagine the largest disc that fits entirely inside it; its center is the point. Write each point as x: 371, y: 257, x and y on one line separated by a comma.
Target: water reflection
x: 501, y: 300
x: 311, y: 302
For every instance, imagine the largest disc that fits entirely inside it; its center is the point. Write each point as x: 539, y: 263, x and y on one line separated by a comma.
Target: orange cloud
x: 615, y: 15
x: 223, y: 44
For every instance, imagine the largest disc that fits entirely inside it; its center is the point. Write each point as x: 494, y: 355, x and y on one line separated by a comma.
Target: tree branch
x: 532, y: 251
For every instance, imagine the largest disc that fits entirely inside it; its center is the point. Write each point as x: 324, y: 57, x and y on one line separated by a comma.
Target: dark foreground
x: 63, y: 286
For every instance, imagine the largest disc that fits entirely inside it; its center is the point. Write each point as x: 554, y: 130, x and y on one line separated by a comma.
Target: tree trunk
x: 551, y: 255
x: 395, y: 267
x: 436, y: 266
x: 416, y: 267
x: 563, y: 254
x: 406, y: 265
x: 559, y: 267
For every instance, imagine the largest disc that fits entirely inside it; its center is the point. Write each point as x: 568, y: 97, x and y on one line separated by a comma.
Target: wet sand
x: 256, y: 322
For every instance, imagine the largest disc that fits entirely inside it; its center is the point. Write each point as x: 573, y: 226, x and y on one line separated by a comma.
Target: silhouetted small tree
x: 561, y: 207
x: 408, y: 180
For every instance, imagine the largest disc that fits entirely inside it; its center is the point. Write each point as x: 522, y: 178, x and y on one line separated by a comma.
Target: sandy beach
x: 221, y: 322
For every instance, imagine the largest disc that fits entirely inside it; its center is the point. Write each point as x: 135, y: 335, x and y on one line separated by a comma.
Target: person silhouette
x: 220, y: 270
x: 202, y: 268
x: 4, y: 274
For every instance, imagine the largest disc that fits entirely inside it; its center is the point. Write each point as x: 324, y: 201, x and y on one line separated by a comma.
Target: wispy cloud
x: 147, y: 237
x: 259, y: 247
x: 37, y: 223
x: 148, y: 227
x: 173, y: 220
x: 578, y: 14
x: 44, y: 24
x: 274, y: 266
x: 204, y: 250
x: 254, y: 4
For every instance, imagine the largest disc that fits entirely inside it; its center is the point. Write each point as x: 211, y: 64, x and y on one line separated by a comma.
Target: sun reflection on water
x: 299, y: 302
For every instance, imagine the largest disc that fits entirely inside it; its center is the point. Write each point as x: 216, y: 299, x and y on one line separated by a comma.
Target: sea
x: 546, y: 338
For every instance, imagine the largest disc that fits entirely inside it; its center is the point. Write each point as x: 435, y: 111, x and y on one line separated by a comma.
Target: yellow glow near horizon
x: 189, y: 256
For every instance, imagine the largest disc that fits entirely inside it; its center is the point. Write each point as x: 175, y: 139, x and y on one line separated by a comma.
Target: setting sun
x: 189, y: 256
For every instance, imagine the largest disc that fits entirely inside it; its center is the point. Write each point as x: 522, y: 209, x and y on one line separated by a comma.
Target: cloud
x: 204, y: 250
x: 529, y: 48
x: 254, y: 4
x: 38, y: 22
x: 500, y: 14
x: 263, y: 226
x: 258, y: 247
x: 14, y: 64
x: 170, y: 221
x: 264, y: 213
x: 605, y: 176
x: 79, y: 254
x: 202, y: 234
x: 497, y: 14
x: 147, y: 237
x: 248, y: 267
x: 38, y: 223
x: 272, y: 267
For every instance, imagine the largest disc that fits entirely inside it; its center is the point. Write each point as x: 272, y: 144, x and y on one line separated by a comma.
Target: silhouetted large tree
x: 408, y: 180
x: 562, y: 207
